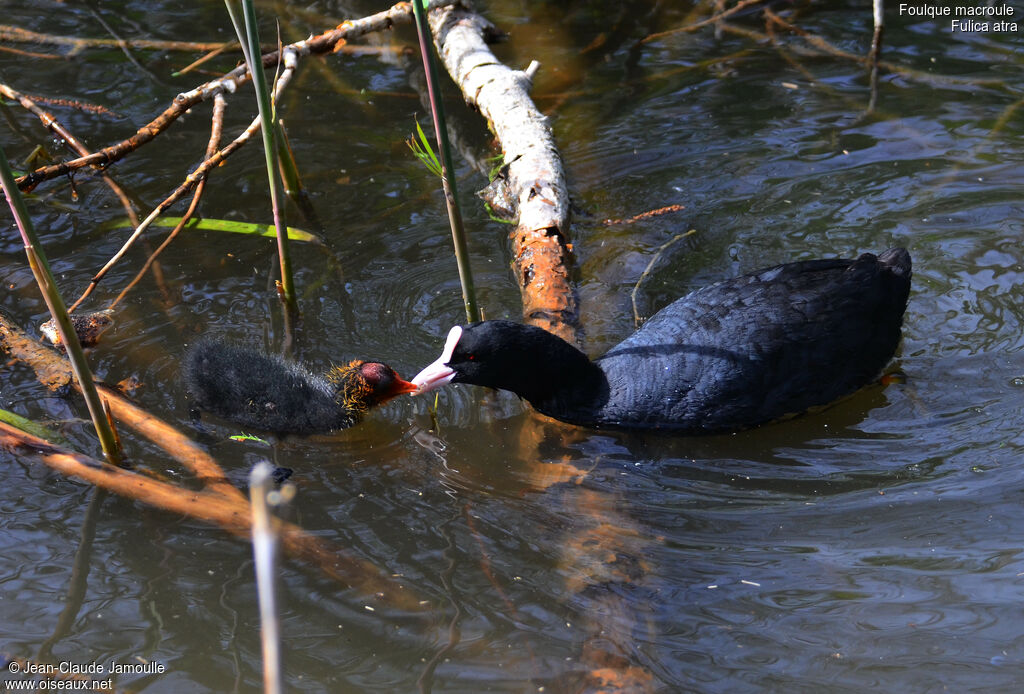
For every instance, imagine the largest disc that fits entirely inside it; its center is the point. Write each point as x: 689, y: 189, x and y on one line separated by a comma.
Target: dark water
x: 873, y: 546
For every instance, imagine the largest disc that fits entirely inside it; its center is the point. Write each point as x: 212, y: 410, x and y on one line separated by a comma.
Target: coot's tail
x: 897, y: 260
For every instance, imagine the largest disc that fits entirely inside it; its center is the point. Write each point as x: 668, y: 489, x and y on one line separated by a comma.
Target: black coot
x: 732, y: 355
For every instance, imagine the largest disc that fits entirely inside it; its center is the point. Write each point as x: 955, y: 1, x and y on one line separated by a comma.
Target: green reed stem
x: 451, y: 193
x: 289, y: 169
x: 54, y: 302
x: 249, y: 37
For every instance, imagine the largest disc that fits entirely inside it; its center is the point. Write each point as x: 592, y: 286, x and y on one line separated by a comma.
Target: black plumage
x: 732, y: 355
x: 266, y: 392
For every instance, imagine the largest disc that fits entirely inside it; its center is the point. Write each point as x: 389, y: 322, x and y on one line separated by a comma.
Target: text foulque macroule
x: 966, y: 17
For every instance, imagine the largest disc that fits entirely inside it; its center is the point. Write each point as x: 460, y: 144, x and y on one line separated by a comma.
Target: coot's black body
x: 266, y: 392
x: 732, y: 355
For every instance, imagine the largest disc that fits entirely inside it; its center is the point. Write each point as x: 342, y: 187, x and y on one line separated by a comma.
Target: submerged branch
x: 219, y: 502
x: 713, y: 19
x: 816, y: 46
x: 232, y: 514
x: 53, y: 371
x: 13, y: 34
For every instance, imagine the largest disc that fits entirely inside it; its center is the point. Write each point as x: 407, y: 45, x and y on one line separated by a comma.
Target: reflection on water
x: 869, y: 546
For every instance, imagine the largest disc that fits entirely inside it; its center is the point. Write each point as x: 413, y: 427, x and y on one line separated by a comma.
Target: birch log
x: 541, y: 252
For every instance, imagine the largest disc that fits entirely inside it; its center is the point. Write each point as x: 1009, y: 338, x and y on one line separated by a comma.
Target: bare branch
x: 229, y: 82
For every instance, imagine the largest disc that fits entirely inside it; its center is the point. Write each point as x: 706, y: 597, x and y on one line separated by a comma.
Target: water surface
x: 873, y: 546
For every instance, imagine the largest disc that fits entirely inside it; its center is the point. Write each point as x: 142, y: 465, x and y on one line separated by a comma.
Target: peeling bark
x: 541, y: 251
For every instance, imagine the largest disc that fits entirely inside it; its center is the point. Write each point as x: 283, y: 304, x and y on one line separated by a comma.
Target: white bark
x: 536, y: 179
x: 501, y: 95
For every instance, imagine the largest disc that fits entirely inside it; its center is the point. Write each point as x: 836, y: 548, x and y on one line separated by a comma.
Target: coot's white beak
x: 439, y: 373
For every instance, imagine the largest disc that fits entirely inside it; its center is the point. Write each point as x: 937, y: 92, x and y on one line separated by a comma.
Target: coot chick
x: 730, y: 356
x: 265, y: 392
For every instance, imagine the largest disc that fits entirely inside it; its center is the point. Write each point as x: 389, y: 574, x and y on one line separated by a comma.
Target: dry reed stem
x: 53, y: 125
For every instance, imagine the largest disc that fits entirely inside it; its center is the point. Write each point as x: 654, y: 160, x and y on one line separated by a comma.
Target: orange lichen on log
x: 541, y: 260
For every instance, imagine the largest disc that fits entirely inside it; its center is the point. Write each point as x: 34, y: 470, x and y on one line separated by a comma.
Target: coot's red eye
x: 471, y: 357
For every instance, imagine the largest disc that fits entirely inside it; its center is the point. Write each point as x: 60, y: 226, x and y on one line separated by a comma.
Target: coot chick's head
x: 364, y: 384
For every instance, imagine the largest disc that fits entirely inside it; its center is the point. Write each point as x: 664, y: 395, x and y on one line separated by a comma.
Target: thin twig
x: 713, y: 19
x: 190, y: 182
x: 30, y: 54
x: 13, y: 34
x: 667, y: 209
x: 636, y: 288
x: 819, y: 46
x: 322, y: 43
x: 216, y: 126
x: 813, y: 39
x: 55, y: 126
x: 230, y: 45
x: 123, y: 45
x: 76, y: 104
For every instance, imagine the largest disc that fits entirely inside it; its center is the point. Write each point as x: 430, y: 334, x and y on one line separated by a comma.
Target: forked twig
x: 55, y: 126
x: 216, y: 126
x: 643, y: 275
x: 713, y: 19
x: 322, y: 43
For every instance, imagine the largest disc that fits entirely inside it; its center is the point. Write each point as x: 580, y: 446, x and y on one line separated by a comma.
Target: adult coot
x: 266, y: 392
x: 729, y: 356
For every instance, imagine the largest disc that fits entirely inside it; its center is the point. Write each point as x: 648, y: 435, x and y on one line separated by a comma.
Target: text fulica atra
x: 266, y: 392
x: 732, y: 355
